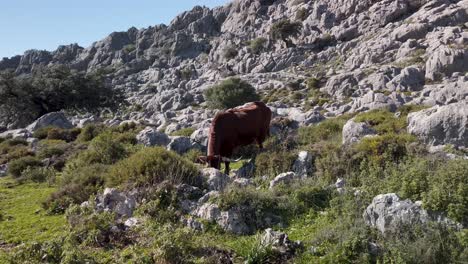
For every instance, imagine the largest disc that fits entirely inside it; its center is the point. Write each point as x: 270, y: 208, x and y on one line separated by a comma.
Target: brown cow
x: 235, y: 127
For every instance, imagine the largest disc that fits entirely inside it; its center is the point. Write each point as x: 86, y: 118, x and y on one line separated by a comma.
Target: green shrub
x: 185, y: 132
x: 42, y: 132
x: 385, y: 148
x: 105, y: 149
x: 329, y: 129
x: 16, y: 167
x: 448, y: 190
x: 230, y: 93
x: 193, y: 155
x: 383, y: 121
x: 151, y: 166
x: 313, y: 83
x: 230, y: 52
x: 129, y: 48
x: 48, y: 152
x: 273, y: 163
x: 13, y: 149
x: 284, y: 29
x: 257, y: 45
x: 76, y: 185
x: 39, y: 174
x: 51, y: 89
x: 173, y: 245
x: 260, y: 253
x: 89, y: 132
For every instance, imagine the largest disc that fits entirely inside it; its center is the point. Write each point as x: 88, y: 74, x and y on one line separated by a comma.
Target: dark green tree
x: 230, y: 93
x: 284, y: 30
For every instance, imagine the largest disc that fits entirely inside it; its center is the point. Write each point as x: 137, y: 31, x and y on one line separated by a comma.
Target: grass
x: 23, y: 217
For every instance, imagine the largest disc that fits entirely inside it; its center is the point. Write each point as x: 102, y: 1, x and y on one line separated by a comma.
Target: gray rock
x: 217, y: 181
x: 115, y: 201
x: 353, y: 132
x: 132, y: 222
x: 16, y: 133
x: 242, y: 182
x: 446, y: 61
x: 56, y: 119
x: 388, y: 212
x: 180, y: 144
x: 279, y: 242
x: 3, y: 170
x: 246, y: 171
x: 200, y: 136
x: 151, y: 137
x: 283, y: 178
x: 303, y: 165
x: 441, y: 125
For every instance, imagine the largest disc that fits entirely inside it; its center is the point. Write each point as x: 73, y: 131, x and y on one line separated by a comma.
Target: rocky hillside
x: 367, y: 161
x: 363, y: 55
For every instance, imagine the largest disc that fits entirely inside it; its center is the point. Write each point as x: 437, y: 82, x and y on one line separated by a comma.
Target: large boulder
x: 152, y: 137
x: 122, y: 204
x: 388, y: 212
x: 446, y: 60
x: 181, y: 144
x: 215, y: 179
x: 200, y: 136
x: 355, y: 131
x: 440, y: 125
x: 56, y: 119
x: 232, y: 220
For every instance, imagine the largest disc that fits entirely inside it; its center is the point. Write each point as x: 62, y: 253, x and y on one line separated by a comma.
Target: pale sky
x: 46, y: 24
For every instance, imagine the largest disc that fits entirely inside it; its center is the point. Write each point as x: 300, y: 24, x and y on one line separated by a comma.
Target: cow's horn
x: 230, y: 160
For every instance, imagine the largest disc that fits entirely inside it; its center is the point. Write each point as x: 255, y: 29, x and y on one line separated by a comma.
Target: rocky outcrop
x: 388, y: 212
x: 215, y: 179
x: 56, y: 119
x: 122, y: 204
x: 440, y: 125
x: 355, y: 131
x: 151, y: 137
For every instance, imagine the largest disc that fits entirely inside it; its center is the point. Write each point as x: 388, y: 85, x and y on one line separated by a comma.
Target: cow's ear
x: 202, y: 160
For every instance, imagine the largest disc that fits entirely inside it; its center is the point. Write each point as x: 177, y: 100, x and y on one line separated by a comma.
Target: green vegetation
x: 185, y: 132
x: 230, y: 93
x: 257, y: 45
x: 302, y: 14
x: 230, y: 52
x: 329, y: 223
x: 53, y: 89
x: 284, y: 29
x: 151, y: 166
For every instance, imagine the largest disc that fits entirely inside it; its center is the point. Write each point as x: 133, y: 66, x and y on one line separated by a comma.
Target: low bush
x: 16, y: 167
x: 89, y: 132
x: 105, y: 148
x: 38, y: 174
x: 76, y: 185
x: 272, y: 163
x: 257, y: 45
x: 230, y: 52
x: 13, y: 149
x: 230, y: 93
x: 151, y: 166
x: 329, y: 129
x: 185, y: 132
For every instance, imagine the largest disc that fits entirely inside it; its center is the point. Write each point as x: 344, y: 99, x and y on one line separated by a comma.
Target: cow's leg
x: 226, y: 167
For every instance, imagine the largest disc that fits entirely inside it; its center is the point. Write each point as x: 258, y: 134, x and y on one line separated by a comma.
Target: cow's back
x: 238, y: 127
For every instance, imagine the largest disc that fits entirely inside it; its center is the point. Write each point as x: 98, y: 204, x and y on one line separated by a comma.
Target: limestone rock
x: 216, y: 180
x: 441, y: 125
x: 151, y: 137
x: 115, y: 201
x: 56, y: 119
x: 283, y: 178
x: 354, y: 131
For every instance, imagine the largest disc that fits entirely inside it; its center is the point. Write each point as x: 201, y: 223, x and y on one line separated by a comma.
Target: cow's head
x: 212, y: 161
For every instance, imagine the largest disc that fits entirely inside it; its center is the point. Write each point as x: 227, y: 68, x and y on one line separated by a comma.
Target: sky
x: 46, y: 24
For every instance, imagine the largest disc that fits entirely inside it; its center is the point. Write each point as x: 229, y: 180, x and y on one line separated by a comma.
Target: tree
x: 284, y: 29
x: 53, y: 89
x: 230, y: 93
